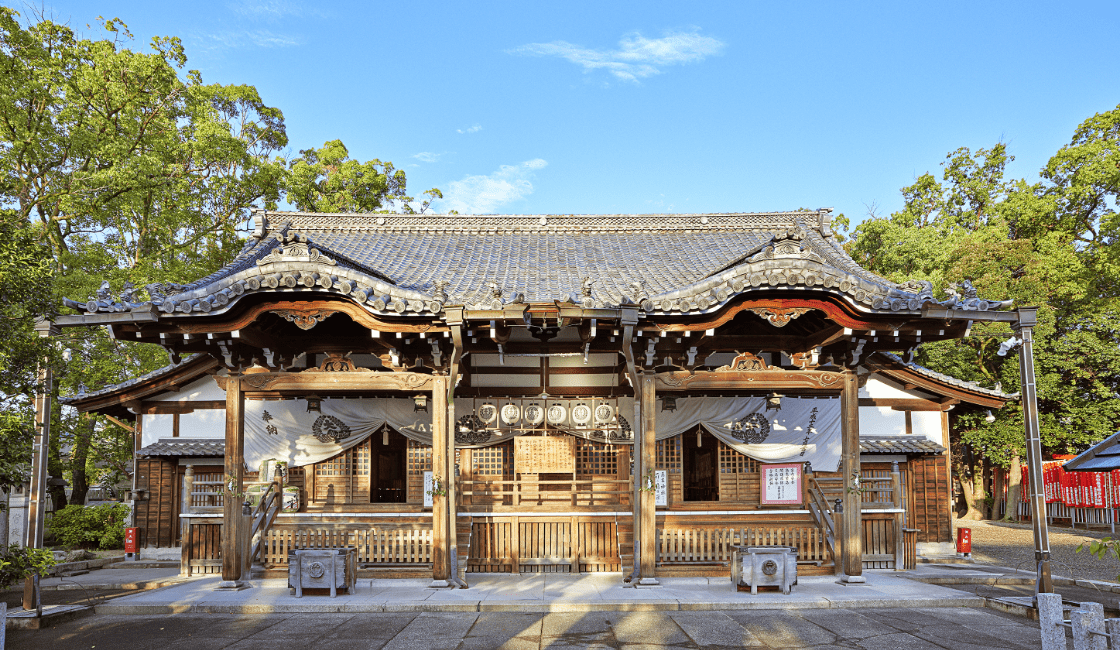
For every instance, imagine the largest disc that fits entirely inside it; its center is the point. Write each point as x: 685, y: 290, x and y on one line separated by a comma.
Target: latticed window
x: 732, y: 462
x: 361, y: 459
x: 419, y: 458
x: 595, y: 458
x: 669, y: 454
x: 340, y: 465
x: 496, y: 460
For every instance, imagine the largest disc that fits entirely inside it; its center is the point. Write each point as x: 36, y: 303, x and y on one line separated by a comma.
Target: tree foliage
x: 328, y: 180
x: 119, y: 164
x: 1050, y: 244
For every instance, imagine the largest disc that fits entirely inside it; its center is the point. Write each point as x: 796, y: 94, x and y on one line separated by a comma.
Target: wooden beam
x: 529, y: 370
x: 361, y: 380
x: 124, y: 425
x: 904, y: 404
x: 772, y: 379
x: 181, y: 407
x: 241, y: 320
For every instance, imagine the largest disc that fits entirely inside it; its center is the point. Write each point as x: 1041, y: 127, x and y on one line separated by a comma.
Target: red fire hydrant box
x: 130, y: 540
x: 964, y: 541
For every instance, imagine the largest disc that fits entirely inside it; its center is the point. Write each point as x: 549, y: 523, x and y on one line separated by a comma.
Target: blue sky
x: 595, y: 107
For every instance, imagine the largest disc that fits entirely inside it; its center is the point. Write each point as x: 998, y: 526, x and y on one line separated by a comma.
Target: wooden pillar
x: 234, y: 488
x: 852, y: 542
x: 456, y: 565
x: 896, y: 499
x: 441, y: 535
x: 40, y: 444
x: 185, y: 503
x: 647, y: 454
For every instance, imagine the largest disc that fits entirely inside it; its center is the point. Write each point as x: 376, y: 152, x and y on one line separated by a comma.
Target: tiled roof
x: 899, y: 445
x: 112, y: 388
x: 196, y: 360
x: 421, y: 263
x: 185, y: 447
x: 1101, y: 457
x: 950, y: 380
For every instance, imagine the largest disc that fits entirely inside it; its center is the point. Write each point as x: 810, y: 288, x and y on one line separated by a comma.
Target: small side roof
x: 113, y: 399
x: 899, y: 445
x: 892, y: 365
x: 1101, y: 457
x: 185, y: 447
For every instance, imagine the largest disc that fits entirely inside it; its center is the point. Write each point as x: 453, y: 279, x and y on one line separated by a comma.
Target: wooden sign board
x: 540, y: 455
x: 781, y: 485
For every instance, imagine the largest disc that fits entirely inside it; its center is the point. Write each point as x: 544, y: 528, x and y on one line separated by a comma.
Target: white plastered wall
x: 204, y: 423
x: 885, y: 421
x: 200, y: 423
x: 203, y: 389
x: 156, y: 426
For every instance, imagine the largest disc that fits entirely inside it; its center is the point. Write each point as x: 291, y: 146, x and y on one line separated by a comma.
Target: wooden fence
x: 511, y: 544
x: 201, y: 547
x: 531, y: 489
x: 374, y: 545
x: 714, y: 545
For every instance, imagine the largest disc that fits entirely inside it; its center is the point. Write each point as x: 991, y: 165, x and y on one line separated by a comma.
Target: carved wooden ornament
x: 304, y: 319
x: 778, y: 317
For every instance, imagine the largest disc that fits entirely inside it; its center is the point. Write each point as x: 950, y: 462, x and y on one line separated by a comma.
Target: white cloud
x: 483, y: 194
x: 258, y: 38
x: 427, y: 156
x: 473, y: 129
x: 272, y: 9
x: 637, y: 57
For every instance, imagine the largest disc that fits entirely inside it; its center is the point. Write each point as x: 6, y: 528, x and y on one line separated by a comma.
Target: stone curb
x: 83, y: 565
x: 142, y: 585
x: 532, y: 607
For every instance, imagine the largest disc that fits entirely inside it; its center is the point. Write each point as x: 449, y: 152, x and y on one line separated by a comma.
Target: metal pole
x: 37, y: 494
x: 1024, y: 328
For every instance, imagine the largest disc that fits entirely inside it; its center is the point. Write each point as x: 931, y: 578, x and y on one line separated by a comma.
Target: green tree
x: 132, y: 170
x: 122, y: 166
x: 328, y: 180
x: 1049, y: 244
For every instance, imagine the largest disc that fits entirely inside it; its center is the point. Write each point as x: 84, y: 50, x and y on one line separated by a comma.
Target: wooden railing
x: 714, y: 545
x: 543, y: 544
x: 374, y: 545
x: 568, y: 492
x: 821, y: 493
x: 263, y: 514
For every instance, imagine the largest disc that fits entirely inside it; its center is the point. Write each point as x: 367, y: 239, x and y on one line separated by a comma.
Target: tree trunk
x: 1014, y: 489
x: 5, y: 496
x: 972, y: 486
x: 55, y: 467
x: 999, y: 482
x: 82, y: 442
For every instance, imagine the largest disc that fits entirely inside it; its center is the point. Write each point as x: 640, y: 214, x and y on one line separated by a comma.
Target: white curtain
x: 284, y: 430
x: 802, y: 430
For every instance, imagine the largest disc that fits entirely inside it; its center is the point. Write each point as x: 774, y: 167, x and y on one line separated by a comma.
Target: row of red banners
x: 1076, y: 489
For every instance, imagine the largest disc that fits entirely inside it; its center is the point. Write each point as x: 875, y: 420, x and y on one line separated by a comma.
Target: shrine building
x: 451, y: 394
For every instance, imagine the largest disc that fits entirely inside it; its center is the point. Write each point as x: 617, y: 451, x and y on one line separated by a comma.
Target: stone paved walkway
x: 870, y: 629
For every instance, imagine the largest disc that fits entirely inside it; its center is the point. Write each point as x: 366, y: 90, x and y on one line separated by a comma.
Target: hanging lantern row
x: 535, y: 413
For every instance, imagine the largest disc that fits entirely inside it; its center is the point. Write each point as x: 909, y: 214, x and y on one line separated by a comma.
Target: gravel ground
x: 1012, y: 545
